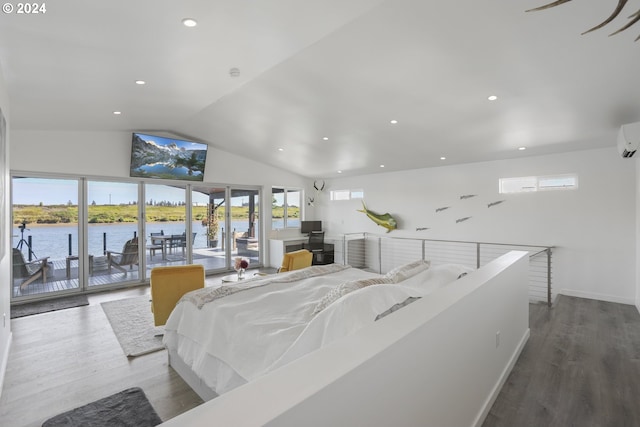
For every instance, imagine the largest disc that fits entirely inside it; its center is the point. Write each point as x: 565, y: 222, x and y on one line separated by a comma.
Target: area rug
x: 128, y: 408
x: 132, y: 322
x: 47, y: 306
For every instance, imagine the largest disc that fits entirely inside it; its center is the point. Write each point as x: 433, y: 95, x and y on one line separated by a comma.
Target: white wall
x: 593, y: 227
x: 108, y: 154
x: 637, y: 182
x: 5, y: 263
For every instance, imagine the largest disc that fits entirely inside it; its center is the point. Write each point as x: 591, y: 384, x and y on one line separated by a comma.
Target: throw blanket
x: 201, y: 297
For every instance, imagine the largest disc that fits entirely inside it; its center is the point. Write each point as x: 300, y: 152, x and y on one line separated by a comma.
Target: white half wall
x: 593, y: 227
x: 435, y: 362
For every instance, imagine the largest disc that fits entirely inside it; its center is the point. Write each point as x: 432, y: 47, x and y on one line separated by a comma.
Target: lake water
x: 53, y: 241
x: 166, y: 168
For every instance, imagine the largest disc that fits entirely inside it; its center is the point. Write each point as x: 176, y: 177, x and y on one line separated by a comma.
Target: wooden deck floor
x: 57, y: 280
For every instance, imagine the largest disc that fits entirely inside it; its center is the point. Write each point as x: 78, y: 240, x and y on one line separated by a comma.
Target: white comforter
x: 259, y: 329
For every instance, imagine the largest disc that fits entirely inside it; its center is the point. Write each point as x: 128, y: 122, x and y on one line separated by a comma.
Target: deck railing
x: 382, y: 253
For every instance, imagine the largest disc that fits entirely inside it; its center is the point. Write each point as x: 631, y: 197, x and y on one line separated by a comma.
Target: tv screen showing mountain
x: 167, y: 158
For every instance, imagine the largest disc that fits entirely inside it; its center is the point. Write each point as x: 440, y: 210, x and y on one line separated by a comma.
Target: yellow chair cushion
x: 169, y: 284
x: 296, y: 260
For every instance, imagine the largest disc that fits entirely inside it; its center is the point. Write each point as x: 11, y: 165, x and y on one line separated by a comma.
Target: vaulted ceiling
x: 321, y: 80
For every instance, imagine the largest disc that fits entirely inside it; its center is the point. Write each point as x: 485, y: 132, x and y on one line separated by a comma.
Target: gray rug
x: 132, y: 322
x: 49, y: 305
x: 129, y: 408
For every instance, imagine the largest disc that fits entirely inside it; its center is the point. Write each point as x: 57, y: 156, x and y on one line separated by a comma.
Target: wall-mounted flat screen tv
x: 167, y: 158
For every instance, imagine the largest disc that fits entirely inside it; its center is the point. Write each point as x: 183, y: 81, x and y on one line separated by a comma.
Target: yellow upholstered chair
x: 169, y: 284
x: 296, y: 260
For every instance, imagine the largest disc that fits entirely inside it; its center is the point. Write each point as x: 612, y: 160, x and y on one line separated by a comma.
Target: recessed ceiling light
x: 234, y: 72
x: 189, y: 22
x: 117, y: 113
x: 443, y: 158
x: 522, y: 148
x: 280, y: 149
x: 325, y: 138
x: 141, y: 82
x: 492, y: 98
x: 393, y: 122
x: 381, y: 166
x: 339, y: 171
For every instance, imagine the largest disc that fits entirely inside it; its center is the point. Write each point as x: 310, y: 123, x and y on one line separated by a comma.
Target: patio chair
x: 32, y: 270
x: 128, y: 256
x: 177, y: 241
x: 155, y: 244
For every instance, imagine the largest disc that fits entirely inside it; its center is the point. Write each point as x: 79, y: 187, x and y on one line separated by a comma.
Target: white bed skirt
x: 196, y: 383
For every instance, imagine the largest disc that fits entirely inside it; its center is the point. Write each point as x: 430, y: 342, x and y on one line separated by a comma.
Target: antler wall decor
x: 319, y: 186
x: 621, y: 3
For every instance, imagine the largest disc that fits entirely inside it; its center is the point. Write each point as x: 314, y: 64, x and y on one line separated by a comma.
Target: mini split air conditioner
x: 629, y: 139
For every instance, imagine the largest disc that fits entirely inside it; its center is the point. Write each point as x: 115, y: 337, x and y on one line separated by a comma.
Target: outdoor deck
x: 57, y: 280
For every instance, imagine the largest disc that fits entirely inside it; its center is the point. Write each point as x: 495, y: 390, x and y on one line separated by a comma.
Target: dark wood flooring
x: 580, y: 367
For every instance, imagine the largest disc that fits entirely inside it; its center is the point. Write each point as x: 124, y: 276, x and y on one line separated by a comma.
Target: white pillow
x: 405, y: 271
x: 435, y: 277
x: 346, y: 287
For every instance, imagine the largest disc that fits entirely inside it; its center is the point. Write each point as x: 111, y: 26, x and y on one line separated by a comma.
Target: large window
x: 285, y: 208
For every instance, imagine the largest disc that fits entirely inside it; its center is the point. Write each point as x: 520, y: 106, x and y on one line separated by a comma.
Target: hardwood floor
x: 581, y: 367
x: 64, y: 359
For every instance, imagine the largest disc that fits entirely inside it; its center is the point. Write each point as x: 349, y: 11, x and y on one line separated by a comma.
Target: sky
x: 33, y: 191
x: 159, y: 140
x: 53, y: 191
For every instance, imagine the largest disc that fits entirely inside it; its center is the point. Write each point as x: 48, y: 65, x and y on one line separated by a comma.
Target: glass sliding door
x: 44, y: 236
x: 245, y: 233
x: 112, y: 233
x: 78, y: 234
x: 208, y: 220
x: 167, y: 236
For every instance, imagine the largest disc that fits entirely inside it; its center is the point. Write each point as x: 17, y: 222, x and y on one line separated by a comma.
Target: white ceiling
x: 340, y: 69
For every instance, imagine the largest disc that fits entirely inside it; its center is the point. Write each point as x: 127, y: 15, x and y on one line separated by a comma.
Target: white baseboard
x: 4, y: 361
x: 597, y: 296
x: 503, y: 378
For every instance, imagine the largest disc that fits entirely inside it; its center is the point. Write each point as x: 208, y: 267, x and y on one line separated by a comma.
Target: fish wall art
x: 492, y: 204
x: 384, y: 220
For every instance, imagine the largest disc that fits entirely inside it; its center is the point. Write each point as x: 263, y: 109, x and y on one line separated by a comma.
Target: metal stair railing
x: 380, y: 254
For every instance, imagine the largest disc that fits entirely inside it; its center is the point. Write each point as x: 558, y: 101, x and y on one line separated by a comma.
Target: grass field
x: 105, y: 214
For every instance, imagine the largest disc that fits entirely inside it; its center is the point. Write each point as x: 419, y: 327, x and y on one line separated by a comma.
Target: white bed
x: 221, y: 338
